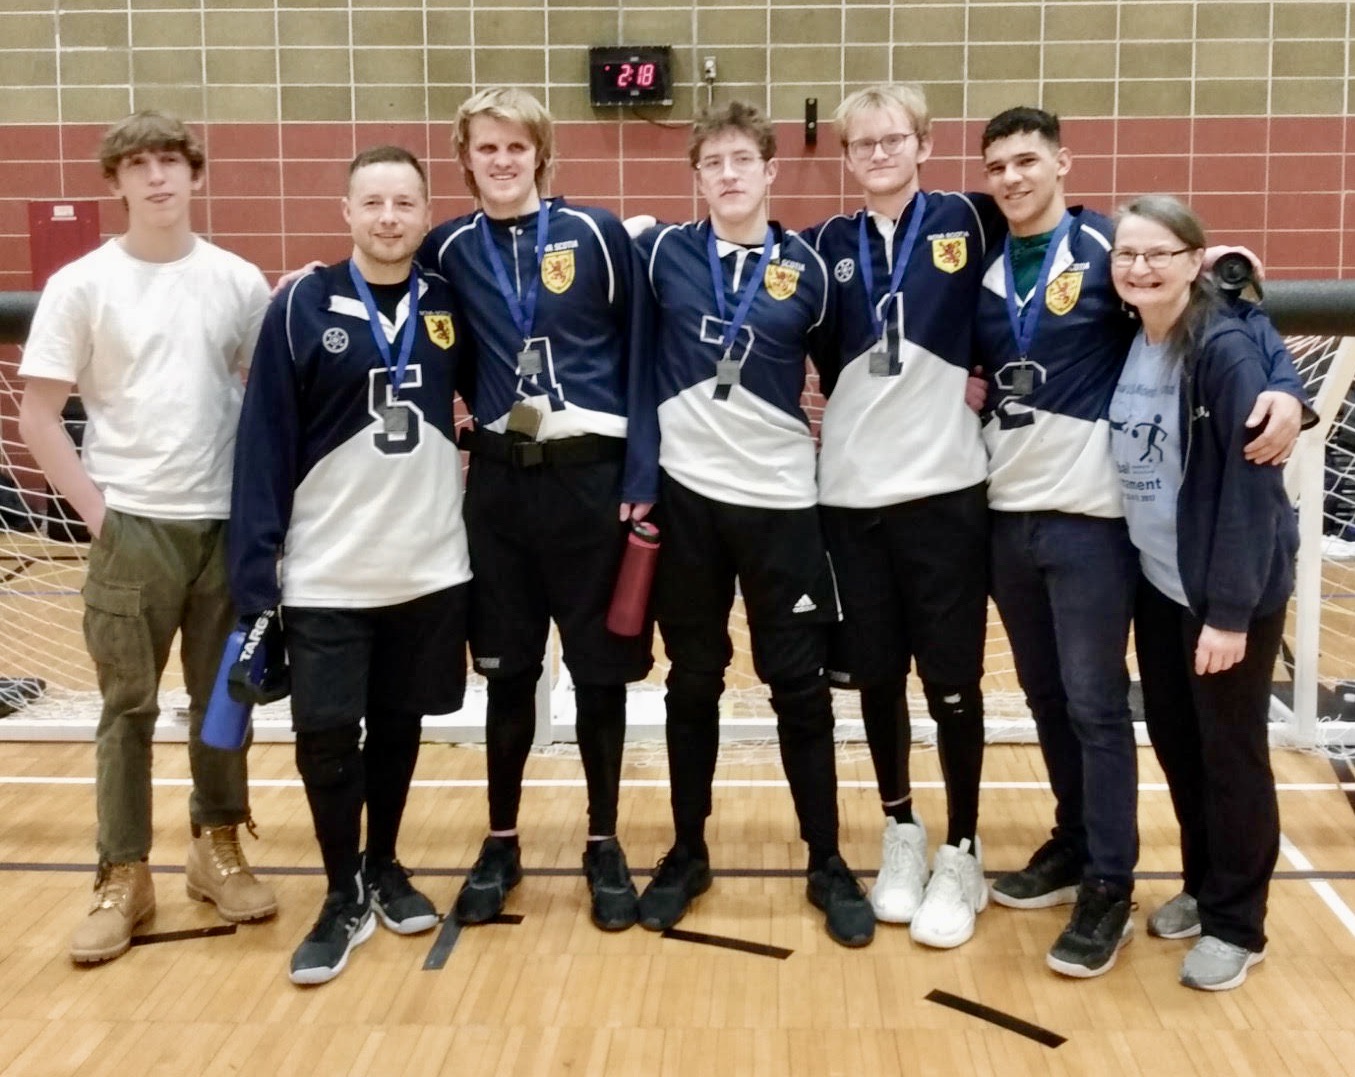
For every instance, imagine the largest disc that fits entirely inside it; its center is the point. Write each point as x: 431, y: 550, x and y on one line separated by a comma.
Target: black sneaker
x: 496, y: 872
x: 1051, y: 878
x: 679, y: 879
x: 402, y: 908
x: 615, y: 903
x: 1100, y: 925
x: 343, y: 924
x: 848, y: 915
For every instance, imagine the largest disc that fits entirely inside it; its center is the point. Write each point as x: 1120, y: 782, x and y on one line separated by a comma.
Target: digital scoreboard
x: 630, y: 75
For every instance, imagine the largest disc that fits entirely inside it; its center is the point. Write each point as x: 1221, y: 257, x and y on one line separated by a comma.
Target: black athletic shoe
x: 1099, y: 927
x: 496, y: 872
x: 402, y: 908
x: 343, y: 924
x: 848, y: 915
x: 615, y: 903
x: 1051, y: 878
x: 679, y: 879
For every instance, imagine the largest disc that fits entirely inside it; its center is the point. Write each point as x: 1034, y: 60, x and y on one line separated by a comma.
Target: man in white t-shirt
x: 155, y: 329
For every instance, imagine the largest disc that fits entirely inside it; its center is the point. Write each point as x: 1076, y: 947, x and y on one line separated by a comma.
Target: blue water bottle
x: 227, y: 719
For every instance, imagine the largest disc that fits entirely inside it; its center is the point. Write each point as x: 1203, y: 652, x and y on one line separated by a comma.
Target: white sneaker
x: 903, y: 872
x: 956, y: 894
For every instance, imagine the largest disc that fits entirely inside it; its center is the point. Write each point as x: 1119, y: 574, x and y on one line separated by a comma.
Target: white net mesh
x: 46, y: 673
x: 1335, y: 601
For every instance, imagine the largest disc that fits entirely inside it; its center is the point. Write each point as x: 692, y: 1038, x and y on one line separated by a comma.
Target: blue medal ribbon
x: 905, y: 252
x: 717, y: 280
x: 523, y: 311
x: 1024, y: 319
x: 395, y: 371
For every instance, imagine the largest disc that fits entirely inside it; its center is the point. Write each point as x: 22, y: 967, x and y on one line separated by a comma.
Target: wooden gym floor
x: 551, y: 995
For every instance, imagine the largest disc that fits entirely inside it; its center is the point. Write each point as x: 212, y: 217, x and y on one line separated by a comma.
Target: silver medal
x: 529, y: 362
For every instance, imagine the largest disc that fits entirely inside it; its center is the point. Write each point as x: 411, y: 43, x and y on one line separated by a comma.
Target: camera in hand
x: 1233, y: 272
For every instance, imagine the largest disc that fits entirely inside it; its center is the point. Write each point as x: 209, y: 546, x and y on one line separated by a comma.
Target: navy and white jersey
x: 1049, y: 448
x: 904, y: 434
x: 745, y: 444
x: 587, y: 328
x: 361, y: 516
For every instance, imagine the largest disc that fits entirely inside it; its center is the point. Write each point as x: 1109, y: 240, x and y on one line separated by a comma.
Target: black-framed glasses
x: 1123, y: 258
x: 863, y: 149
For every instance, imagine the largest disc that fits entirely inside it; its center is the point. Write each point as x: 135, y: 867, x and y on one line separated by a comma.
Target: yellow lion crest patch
x: 557, y: 271
x: 950, y: 254
x: 1061, y: 295
x: 781, y: 281
x: 440, y: 330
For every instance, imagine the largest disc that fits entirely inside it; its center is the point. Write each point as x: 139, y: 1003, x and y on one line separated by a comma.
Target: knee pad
x: 600, y: 703
x: 690, y: 687
x: 515, y: 692
x: 326, y: 758
x: 802, y: 705
x: 954, y: 702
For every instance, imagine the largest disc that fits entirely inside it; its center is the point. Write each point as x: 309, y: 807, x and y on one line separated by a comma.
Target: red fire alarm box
x: 60, y: 232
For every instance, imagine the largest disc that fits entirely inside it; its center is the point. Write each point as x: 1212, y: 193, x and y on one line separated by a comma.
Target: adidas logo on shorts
x: 804, y: 605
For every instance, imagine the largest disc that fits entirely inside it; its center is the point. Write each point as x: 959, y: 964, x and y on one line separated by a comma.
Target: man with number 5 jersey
x: 348, y: 490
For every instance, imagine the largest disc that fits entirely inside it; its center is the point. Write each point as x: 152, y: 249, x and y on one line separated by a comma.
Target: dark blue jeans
x: 1064, y: 586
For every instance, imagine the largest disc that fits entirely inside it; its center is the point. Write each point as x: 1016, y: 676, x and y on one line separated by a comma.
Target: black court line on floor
x: 997, y: 1017
x: 188, y: 933
x: 443, y: 945
x: 761, y: 949
x: 1345, y: 774
x: 450, y: 932
x: 575, y: 873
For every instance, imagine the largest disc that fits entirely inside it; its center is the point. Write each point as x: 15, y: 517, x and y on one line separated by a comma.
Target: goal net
x: 47, y: 685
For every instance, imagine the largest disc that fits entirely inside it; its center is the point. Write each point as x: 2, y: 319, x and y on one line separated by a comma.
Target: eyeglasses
x: 711, y: 167
x: 1122, y: 258
x: 863, y: 149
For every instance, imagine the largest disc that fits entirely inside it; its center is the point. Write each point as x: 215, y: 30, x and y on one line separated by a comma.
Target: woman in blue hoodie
x: 1216, y: 538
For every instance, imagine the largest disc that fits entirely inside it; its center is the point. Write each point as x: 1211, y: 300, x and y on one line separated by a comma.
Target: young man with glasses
x: 740, y: 301
x: 1052, y: 336
x: 901, y: 485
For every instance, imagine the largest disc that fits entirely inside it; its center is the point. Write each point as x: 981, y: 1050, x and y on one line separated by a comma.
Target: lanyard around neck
x: 717, y: 280
x: 905, y: 252
x: 1025, y: 319
x: 394, y: 370
x: 523, y: 311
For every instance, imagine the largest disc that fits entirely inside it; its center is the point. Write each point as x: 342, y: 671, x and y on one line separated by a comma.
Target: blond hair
x: 511, y: 105
x: 907, y: 97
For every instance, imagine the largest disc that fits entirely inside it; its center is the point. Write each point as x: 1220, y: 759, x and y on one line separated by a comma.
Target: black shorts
x: 545, y: 544
x: 783, y: 571
x: 411, y: 656
x: 914, y: 585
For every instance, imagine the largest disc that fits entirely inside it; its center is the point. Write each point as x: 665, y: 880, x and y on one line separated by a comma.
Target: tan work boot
x: 123, y: 897
x: 217, y: 871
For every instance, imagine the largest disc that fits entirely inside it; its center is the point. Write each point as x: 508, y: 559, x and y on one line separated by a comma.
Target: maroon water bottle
x: 630, y: 600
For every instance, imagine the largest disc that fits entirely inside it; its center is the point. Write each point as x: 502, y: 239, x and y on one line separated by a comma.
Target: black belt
x: 515, y: 450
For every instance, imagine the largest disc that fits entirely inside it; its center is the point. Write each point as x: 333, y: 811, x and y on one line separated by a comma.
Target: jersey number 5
x: 397, y: 420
